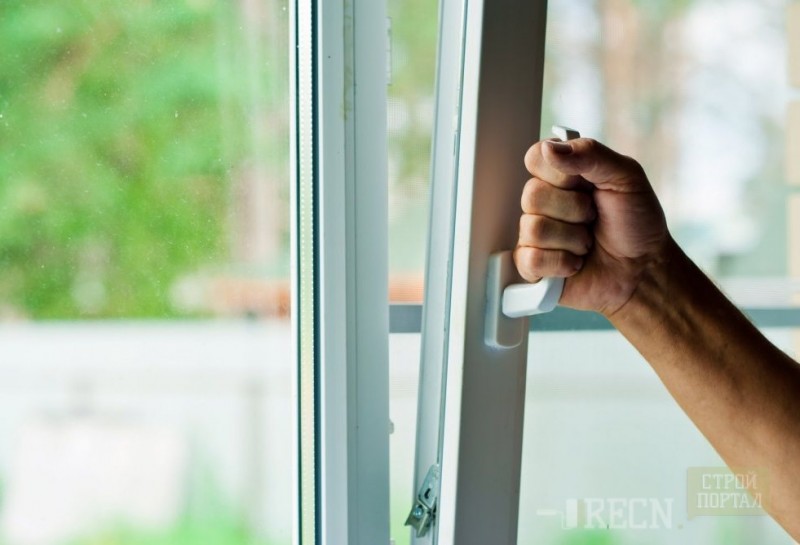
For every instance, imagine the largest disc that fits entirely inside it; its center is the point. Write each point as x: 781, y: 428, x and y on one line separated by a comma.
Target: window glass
x: 410, y: 112
x: 144, y: 289
x: 608, y: 455
x: 412, y: 65
x: 697, y: 91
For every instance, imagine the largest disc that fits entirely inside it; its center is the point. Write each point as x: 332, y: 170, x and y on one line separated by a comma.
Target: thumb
x: 596, y: 163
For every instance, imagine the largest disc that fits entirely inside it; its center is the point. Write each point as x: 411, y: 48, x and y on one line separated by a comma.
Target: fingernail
x: 562, y: 148
x: 579, y: 266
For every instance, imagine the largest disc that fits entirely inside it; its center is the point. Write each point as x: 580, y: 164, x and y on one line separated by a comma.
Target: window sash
x: 472, y: 397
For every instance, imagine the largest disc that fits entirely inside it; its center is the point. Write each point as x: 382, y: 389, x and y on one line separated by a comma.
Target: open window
x: 158, y: 156
x: 602, y: 454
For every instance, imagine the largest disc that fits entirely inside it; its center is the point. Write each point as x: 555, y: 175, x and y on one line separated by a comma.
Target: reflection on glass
x: 144, y: 197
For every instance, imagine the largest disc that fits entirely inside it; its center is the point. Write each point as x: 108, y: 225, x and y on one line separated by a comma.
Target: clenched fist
x: 590, y: 215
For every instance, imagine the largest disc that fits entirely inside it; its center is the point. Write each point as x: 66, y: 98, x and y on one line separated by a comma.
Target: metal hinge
x: 423, y: 512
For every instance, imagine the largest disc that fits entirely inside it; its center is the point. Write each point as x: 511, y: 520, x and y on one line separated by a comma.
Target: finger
x: 540, y: 168
x: 549, y: 234
x: 534, y: 264
x: 544, y: 199
x: 596, y: 163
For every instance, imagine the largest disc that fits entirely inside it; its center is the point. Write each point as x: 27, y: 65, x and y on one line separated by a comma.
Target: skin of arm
x: 591, y: 215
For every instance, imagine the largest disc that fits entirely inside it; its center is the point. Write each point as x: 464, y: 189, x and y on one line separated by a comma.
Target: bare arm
x: 741, y: 391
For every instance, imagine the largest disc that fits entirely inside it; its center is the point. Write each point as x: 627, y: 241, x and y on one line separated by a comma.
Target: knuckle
x: 632, y: 171
x: 526, y: 226
x: 537, y: 227
x: 523, y: 227
x: 537, y: 260
x: 534, y: 263
x: 636, y: 167
x: 591, y: 145
x: 528, y: 195
x: 538, y: 189
x: 531, y: 156
x: 533, y: 195
x: 524, y: 258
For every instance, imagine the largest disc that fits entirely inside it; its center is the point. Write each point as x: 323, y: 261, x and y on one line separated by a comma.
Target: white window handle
x: 528, y: 299
x: 505, y: 303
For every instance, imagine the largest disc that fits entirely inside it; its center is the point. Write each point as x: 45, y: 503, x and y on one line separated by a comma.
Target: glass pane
x: 144, y: 272
x: 414, y: 30
x: 410, y: 125
x: 606, y: 452
x: 697, y: 91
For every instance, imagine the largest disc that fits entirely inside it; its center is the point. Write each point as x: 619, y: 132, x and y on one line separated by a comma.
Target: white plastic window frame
x: 471, y: 398
x: 340, y: 276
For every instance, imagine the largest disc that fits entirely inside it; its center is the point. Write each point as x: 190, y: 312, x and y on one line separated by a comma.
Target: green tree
x: 113, y: 180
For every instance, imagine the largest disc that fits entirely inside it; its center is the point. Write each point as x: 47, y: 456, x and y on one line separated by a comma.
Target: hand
x: 590, y: 215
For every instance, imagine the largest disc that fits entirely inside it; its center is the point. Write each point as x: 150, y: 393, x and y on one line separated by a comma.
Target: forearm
x: 739, y: 389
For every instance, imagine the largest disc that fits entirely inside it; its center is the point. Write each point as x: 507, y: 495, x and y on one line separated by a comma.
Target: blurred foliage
x: 664, y: 10
x: 414, y: 32
x: 209, y: 518
x: 413, y: 68
x: 125, y: 127
x: 113, y: 176
x: 589, y: 537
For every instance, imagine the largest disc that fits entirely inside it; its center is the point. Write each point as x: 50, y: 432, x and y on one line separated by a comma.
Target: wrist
x: 653, y: 282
